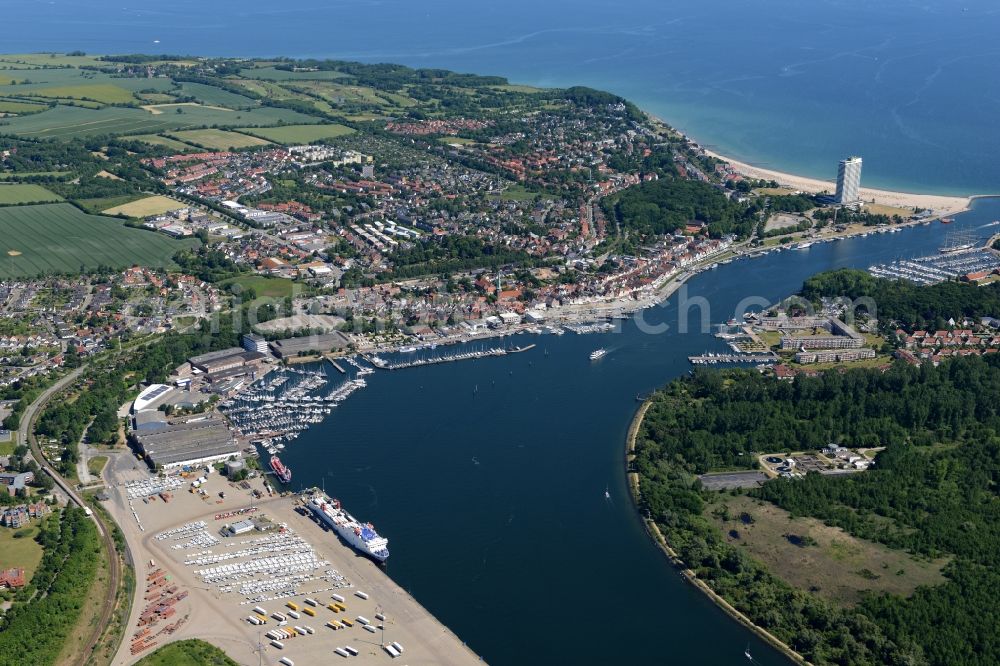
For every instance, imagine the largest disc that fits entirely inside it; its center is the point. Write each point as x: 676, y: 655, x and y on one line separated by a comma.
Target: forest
x: 667, y: 205
x: 903, y: 304
x: 45, y: 611
x: 932, y: 492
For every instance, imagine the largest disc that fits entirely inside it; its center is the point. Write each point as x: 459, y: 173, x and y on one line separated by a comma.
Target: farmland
x: 154, y: 205
x: 67, y: 122
x: 213, y: 96
x: 295, y: 134
x: 273, y: 74
x: 165, y: 141
x: 99, y: 92
x: 58, y: 238
x: 22, y: 193
x: 214, y: 139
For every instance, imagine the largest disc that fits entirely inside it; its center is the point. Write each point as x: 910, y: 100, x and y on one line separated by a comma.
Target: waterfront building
x: 255, y: 343
x: 849, y: 182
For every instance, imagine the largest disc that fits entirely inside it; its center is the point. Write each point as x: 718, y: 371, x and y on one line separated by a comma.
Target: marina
x: 712, y: 358
x: 949, y: 264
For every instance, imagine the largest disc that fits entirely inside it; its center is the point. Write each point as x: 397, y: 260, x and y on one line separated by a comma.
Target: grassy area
x: 104, y: 93
x: 58, y: 238
x: 518, y: 193
x: 462, y: 141
x: 22, y: 551
x: 215, y: 96
x: 96, y: 465
x: 18, y: 175
x: 214, y: 139
x: 20, y: 107
x: 880, y: 209
x: 187, y: 653
x: 67, y: 122
x: 774, y: 191
x: 273, y: 74
x: 22, y: 193
x: 821, y: 559
x: 154, y: 205
x: 266, y: 287
x: 295, y: 134
x: 99, y: 204
x: 165, y: 141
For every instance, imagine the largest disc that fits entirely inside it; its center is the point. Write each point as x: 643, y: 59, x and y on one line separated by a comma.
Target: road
x: 26, y: 434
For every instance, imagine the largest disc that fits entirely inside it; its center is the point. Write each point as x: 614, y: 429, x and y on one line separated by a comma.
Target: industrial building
x: 193, y: 441
x: 327, y: 342
x: 226, y: 359
x: 254, y: 343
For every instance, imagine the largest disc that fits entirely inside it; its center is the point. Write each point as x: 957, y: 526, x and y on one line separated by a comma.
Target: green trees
x: 46, y: 610
x: 932, y: 492
x: 667, y: 205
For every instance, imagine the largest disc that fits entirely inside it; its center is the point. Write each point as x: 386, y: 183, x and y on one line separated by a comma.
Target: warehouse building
x: 327, y: 342
x: 193, y: 442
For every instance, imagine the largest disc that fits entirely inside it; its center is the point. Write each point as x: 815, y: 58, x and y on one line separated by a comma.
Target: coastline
x: 653, y: 530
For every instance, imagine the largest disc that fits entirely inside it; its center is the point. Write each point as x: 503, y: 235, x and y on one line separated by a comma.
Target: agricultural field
x: 66, y: 122
x: 49, y: 60
x: 59, y: 238
x: 214, y: 139
x: 165, y: 141
x: 154, y: 205
x: 22, y: 193
x: 104, y: 93
x: 7, y: 106
x: 213, y: 96
x: 273, y: 74
x: 297, y: 134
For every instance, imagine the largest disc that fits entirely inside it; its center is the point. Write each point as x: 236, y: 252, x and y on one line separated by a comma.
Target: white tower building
x: 849, y: 182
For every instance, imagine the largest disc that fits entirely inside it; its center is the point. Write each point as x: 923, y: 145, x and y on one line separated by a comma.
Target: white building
x: 255, y: 343
x: 849, y: 182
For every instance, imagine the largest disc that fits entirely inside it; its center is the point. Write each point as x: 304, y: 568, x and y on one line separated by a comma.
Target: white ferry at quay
x: 361, y: 536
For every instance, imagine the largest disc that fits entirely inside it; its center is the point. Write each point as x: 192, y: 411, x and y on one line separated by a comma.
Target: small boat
x: 746, y: 653
x: 947, y: 220
x: 598, y: 353
x: 607, y: 495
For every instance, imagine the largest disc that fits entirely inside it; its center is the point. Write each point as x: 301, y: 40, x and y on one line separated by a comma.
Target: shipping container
x: 333, y: 607
x: 259, y: 611
x: 342, y: 652
x: 369, y: 628
x: 361, y: 594
x: 309, y: 630
x: 253, y: 619
x: 292, y: 614
x: 278, y: 616
x: 285, y: 661
x: 393, y: 652
x: 380, y: 617
x: 363, y: 620
x: 311, y: 602
x: 347, y: 622
x: 398, y: 647
x: 263, y: 620
x: 292, y: 605
x: 278, y: 644
x: 354, y: 653
x: 337, y: 597
x: 309, y: 611
x: 333, y: 624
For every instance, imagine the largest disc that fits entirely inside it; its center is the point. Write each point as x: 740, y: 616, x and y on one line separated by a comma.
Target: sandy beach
x: 940, y: 204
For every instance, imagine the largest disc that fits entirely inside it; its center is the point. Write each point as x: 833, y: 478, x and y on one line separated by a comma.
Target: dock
x: 337, y: 366
x: 434, y: 360
x: 715, y: 359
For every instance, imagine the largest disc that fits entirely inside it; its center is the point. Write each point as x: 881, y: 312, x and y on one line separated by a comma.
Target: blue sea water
x: 911, y: 85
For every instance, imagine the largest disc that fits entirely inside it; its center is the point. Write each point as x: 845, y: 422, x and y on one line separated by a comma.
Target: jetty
x: 337, y: 366
x: 711, y: 358
x: 447, y: 358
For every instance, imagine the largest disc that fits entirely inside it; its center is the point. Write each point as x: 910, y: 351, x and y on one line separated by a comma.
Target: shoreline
x: 941, y: 204
x: 653, y: 530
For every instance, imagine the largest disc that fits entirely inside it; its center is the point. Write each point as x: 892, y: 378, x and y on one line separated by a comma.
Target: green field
x: 192, y: 652
x: 214, y: 139
x: 59, y: 238
x: 215, y: 96
x: 266, y: 287
x: 22, y: 193
x: 272, y: 74
x: 105, y: 93
x: 7, y: 106
x: 165, y: 141
x: 21, y: 552
x: 294, y: 134
x: 67, y: 122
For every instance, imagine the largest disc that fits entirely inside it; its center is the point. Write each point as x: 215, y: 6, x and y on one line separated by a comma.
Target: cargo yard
x: 257, y: 575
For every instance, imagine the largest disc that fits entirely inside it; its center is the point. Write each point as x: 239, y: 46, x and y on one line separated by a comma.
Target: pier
x: 713, y: 359
x: 434, y: 360
x: 337, y: 366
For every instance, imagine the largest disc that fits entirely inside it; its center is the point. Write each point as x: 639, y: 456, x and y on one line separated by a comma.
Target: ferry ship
x: 361, y: 536
x: 596, y: 354
x: 283, y: 473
